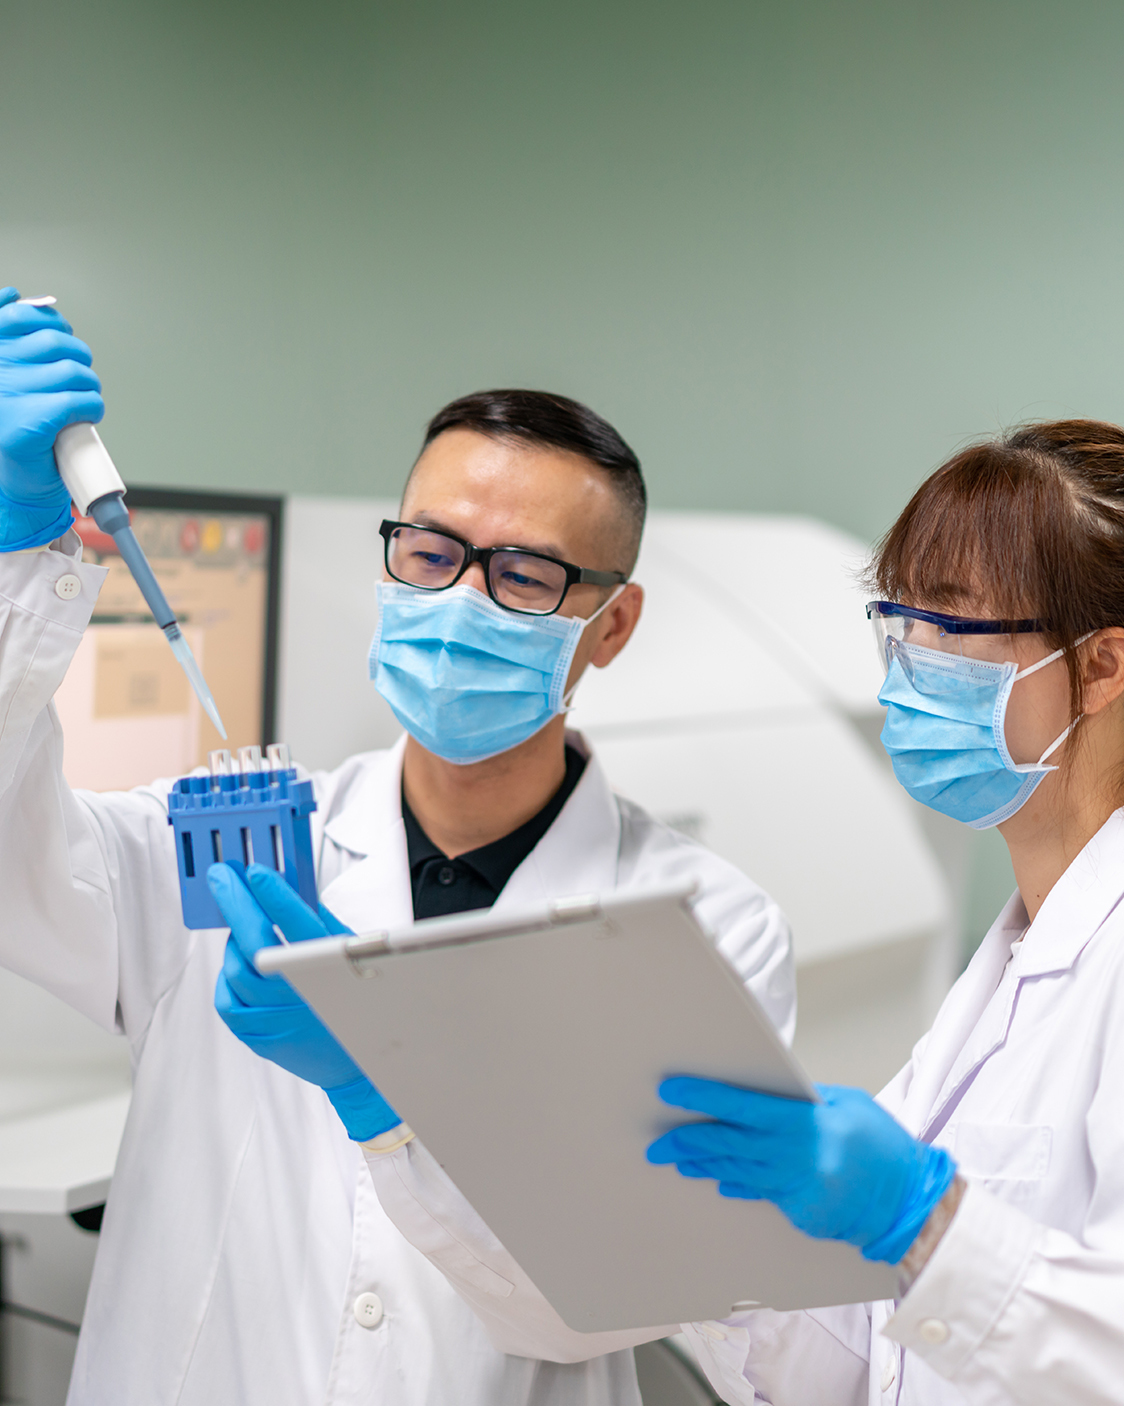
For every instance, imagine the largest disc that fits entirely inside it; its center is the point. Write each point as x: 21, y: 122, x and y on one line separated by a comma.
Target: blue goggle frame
x: 881, y: 612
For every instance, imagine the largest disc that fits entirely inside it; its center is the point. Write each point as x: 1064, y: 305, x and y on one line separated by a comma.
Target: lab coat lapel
x: 984, y: 1039
x: 1078, y: 904
x: 578, y: 854
x: 957, y: 1039
x: 973, y: 1026
x: 374, y: 889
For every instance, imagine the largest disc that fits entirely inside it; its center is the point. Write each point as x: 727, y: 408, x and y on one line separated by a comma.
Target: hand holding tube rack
x: 247, y: 811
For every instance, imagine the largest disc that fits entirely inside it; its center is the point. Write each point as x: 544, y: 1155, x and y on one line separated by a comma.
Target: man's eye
x: 521, y: 582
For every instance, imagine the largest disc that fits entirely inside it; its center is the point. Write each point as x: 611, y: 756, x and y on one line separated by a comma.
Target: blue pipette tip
x: 182, y: 650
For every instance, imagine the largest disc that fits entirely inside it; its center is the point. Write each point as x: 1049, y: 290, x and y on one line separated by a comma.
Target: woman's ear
x: 1102, y: 662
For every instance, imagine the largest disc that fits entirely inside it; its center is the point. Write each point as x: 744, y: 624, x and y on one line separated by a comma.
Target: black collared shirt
x: 442, y: 885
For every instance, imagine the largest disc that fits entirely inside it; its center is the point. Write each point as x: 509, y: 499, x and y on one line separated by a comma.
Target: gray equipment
x: 525, y: 1052
x: 667, y: 1378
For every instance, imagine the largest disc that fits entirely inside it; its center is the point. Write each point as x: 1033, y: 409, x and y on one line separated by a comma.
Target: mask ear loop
x: 567, y: 706
x: 1053, y: 747
x: 1057, y: 742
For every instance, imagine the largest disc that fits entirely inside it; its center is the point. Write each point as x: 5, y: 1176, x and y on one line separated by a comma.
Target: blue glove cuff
x: 23, y: 525
x: 935, y: 1179
x: 362, y: 1109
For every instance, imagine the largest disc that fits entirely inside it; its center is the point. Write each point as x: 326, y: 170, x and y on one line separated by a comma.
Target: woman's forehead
x: 970, y: 602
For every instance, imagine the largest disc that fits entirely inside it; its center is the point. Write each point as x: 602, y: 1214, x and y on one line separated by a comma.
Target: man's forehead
x: 454, y: 524
x: 530, y: 495
x: 505, y: 463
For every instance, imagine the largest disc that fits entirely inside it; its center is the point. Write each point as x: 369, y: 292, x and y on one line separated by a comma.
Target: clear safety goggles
x: 986, y: 640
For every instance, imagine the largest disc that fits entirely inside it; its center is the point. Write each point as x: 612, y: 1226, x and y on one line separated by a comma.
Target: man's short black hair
x: 537, y: 417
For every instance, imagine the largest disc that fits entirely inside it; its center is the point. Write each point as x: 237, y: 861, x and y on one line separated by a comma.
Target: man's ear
x: 1103, y: 668
x: 621, y: 619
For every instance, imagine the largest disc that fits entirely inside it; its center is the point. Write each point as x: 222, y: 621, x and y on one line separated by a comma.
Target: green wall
x: 797, y: 250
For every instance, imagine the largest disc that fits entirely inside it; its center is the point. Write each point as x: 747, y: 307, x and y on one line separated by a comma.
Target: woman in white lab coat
x: 998, y: 1184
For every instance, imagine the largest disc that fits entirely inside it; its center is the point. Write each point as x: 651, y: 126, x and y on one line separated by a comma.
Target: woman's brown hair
x: 1030, y: 525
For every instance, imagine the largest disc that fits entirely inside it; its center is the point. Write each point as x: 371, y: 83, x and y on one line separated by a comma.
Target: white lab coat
x: 242, y: 1224
x: 1021, y: 1078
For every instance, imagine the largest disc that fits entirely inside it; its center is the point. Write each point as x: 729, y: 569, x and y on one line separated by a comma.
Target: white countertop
x: 59, y: 1137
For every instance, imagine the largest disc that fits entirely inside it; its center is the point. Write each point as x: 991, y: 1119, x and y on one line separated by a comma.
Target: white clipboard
x: 525, y: 1052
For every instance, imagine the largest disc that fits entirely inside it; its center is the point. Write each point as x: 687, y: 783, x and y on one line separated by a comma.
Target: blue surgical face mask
x: 944, y: 732
x: 465, y: 677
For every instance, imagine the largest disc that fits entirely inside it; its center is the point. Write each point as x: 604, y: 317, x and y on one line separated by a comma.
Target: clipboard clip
x: 360, y: 949
x: 578, y: 909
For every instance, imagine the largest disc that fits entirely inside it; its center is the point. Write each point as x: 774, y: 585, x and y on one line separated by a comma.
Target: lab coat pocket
x: 1003, y: 1152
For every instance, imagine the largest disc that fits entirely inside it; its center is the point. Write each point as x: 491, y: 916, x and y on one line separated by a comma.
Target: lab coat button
x: 933, y: 1331
x: 889, y: 1373
x: 368, y: 1310
x: 68, y: 586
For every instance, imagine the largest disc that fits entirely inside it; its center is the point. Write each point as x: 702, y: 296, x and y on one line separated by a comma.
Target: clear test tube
x: 277, y: 756
x: 249, y: 759
x: 220, y: 762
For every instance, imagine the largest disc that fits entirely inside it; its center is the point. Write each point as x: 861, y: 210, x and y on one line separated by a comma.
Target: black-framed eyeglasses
x: 525, y: 582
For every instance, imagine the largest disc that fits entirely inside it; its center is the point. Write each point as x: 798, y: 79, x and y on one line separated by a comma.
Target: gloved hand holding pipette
x: 46, y: 384
x: 51, y: 455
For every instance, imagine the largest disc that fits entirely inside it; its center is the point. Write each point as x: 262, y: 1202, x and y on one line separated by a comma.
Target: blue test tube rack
x: 246, y: 812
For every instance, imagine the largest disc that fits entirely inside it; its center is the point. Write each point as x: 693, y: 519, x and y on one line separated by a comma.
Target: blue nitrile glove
x: 267, y: 1014
x: 45, y: 384
x: 843, y: 1169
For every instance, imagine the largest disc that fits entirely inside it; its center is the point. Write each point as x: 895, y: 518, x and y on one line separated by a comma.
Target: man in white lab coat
x: 251, y: 1252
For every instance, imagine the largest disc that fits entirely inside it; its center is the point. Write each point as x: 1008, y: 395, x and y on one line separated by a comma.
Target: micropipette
x: 97, y: 488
